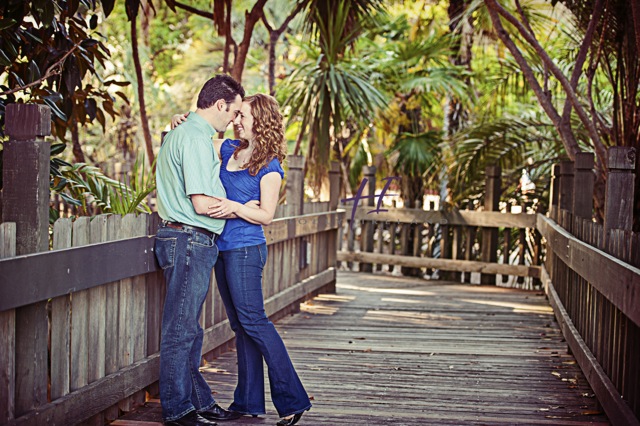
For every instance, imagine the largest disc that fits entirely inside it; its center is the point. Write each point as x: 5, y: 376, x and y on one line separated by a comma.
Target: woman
x: 251, y: 170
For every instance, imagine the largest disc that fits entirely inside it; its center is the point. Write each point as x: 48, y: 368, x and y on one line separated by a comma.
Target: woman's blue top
x: 242, y: 187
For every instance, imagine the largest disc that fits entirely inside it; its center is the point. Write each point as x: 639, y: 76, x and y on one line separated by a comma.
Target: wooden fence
x: 80, y: 323
x: 593, y: 281
x: 487, y: 242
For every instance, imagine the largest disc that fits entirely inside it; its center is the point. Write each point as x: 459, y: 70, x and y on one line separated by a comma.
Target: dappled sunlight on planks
x: 411, y: 317
x: 397, y: 300
x: 318, y: 309
x: 210, y: 368
x: 412, y: 352
x: 324, y: 304
x: 520, y: 308
x: 334, y: 298
x: 406, y: 292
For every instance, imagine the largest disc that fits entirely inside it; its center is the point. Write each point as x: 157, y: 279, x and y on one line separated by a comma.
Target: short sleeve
x: 273, y: 166
x: 227, y: 149
x: 200, y: 167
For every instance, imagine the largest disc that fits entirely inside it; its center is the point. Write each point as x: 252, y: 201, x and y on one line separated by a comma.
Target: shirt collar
x: 202, y: 123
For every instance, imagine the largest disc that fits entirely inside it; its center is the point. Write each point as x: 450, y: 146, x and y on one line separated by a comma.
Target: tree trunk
x: 78, y: 155
x: 144, y: 21
x: 274, y: 36
x: 462, y: 57
x: 143, y: 109
x: 228, y: 39
x: 273, y: 39
x: 251, y: 18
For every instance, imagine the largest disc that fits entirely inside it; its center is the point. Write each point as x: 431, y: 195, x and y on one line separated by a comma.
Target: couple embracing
x: 213, y: 198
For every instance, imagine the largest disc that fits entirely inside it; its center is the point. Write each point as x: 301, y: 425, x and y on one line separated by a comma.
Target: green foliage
x: 366, y: 82
x: 125, y: 199
x: 85, y: 186
x: 516, y: 143
x: 47, y: 49
x: 332, y: 85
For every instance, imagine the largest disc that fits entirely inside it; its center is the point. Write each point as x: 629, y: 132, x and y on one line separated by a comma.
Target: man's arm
x: 201, y: 203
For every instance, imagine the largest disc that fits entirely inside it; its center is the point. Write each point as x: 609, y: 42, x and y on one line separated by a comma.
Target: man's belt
x: 182, y: 226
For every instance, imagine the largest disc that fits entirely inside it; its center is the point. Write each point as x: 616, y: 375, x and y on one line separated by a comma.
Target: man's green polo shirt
x: 187, y: 165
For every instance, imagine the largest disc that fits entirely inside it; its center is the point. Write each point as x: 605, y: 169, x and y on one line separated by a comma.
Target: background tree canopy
x: 433, y: 91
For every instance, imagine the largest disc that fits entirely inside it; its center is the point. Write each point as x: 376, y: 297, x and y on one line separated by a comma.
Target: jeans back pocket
x: 165, y: 248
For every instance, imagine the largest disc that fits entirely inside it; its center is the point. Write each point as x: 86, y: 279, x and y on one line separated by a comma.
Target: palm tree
x: 419, y: 75
x: 331, y: 88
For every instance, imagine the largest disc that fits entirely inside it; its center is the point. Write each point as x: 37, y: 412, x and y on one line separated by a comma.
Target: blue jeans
x: 239, y: 277
x: 187, y: 258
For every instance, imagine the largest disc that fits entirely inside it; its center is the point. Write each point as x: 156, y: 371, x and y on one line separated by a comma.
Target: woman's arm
x: 263, y: 215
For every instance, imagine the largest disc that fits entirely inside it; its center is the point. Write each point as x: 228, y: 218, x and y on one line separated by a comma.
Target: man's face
x: 231, y: 112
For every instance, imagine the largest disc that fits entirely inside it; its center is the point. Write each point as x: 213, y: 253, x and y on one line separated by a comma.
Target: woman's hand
x: 178, y: 119
x: 223, y: 207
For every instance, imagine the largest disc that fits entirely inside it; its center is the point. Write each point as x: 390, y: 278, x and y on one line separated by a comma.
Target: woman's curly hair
x: 268, y: 129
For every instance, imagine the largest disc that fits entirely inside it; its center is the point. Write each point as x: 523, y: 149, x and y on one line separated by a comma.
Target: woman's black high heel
x: 290, y: 422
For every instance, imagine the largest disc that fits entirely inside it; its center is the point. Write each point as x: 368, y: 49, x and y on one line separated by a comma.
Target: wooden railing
x: 458, y: 237
x: 593, y: 281
x: 101, y: 299
x: 80, y: 314
x: 455, y: 243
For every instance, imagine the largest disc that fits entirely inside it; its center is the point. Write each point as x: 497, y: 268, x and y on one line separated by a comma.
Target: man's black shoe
x: 191, y: 419
x: 218, y: 413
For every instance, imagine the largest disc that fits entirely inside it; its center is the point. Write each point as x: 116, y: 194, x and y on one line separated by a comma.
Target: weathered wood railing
x: 593, y: 281
x: 460, y: 227
x: 103, y: 305
x: 80, y: 324
x: 467, y: 241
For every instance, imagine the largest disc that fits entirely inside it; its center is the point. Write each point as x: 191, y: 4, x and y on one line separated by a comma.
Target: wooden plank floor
x: 400, y: 351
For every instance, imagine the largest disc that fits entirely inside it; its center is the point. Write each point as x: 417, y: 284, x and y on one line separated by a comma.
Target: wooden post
x: 490, y: 235
x: 553, y: 192
x: 295, y: 185
x: 7, y: 335
x: 565, y: 193
x: 295, y: 206
x: 368, y: 227
x: 335, y: 237
x: 583, y: 179
x: 26, y: 202
x: 618, y: 208
x: 334, y: 185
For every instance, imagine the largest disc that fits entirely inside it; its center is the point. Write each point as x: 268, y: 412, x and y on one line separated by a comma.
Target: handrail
x: 616, y: 280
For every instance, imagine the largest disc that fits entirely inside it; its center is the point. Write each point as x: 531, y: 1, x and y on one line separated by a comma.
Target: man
x: 187, y: 180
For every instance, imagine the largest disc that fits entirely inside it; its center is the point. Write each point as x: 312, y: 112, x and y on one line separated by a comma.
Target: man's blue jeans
x: 239, y: 278
x: 187, y: 258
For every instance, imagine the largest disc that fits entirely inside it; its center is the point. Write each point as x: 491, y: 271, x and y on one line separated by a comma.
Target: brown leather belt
x: 182, y: 226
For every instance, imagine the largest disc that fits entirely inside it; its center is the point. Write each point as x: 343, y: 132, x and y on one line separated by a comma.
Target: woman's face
x: 244, y: 122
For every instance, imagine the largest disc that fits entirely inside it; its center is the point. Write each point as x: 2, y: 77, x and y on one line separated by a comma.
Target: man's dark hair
x: 221, y: 86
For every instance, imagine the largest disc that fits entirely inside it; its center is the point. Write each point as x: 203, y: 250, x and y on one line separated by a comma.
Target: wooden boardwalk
x: 398, y: 351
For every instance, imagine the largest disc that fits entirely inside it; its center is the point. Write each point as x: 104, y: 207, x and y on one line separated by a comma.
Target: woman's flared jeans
x: 239, y: 276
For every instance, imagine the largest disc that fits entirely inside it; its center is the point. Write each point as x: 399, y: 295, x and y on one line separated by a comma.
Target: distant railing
x: 454, y: 243
x: 80, y: 324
